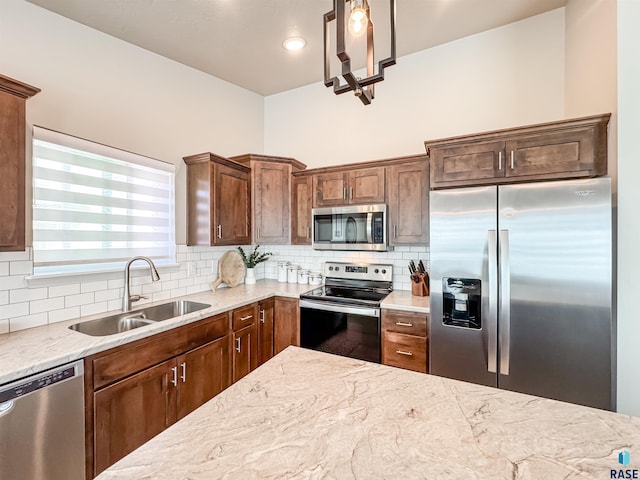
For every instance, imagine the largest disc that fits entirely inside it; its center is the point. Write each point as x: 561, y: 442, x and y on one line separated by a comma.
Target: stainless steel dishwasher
x: 42, y: 426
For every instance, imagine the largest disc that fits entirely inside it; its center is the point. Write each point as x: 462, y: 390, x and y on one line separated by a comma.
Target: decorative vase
x: 250, y: 279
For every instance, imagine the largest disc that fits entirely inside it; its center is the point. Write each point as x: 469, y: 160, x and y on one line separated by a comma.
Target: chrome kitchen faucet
x: 128, y: 299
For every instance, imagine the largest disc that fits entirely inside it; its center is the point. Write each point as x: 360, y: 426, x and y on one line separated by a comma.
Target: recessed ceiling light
x: 295, y: 43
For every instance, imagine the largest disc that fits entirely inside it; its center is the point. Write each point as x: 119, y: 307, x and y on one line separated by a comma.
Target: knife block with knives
x: 419, y: 279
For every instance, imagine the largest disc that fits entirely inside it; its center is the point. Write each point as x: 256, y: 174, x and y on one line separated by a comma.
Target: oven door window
x: 346, y: 334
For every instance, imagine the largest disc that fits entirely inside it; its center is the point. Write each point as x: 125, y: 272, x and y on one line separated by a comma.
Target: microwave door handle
x: 370, y: 228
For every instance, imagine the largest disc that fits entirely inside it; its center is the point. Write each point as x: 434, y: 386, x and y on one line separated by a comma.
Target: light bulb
x: 358, y: 18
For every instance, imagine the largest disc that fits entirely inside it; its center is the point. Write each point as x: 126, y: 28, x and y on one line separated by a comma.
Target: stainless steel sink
x: 141, y: 317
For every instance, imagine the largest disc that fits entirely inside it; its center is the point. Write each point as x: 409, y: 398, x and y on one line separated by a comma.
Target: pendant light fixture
x: 353, y: 17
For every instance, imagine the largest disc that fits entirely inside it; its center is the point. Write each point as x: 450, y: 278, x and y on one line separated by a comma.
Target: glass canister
x: 303, y: 277
x: 315, y: 278
x: 282, y: 271
x: 292, y: 273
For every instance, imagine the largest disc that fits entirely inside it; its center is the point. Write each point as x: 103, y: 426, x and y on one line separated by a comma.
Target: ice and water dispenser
x: 461, y: 302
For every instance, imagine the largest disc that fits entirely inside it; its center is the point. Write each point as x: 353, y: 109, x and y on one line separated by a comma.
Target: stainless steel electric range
x: 343, y: 316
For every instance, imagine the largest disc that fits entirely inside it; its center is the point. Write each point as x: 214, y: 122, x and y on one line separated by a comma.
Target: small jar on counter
x: 315, y: 278
x: 282, y: 271
x: 292, y: 273
x: 303, y: 277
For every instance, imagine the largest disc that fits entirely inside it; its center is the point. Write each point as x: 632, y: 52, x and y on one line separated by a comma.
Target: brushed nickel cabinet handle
x: 395, y: 231
x: 350, y: 193
x: 238, y: 345
x: 262, y: 316
x: 404, y: 324
x: 219, y: 231
x: 500, y: 160
x: 344, y: 193
x: 409, y: 354
x: 183, y: 377
x: 174, y: 376
x: 247, y: 317
x: 512, y: 160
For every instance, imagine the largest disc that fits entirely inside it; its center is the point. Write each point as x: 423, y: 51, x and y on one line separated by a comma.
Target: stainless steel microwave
x: 354, y: 227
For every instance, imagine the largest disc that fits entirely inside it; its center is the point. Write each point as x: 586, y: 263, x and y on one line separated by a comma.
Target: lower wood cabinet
x: 405, y: 340
x: 286, y: 323
x: 265, y: 330
x: 134, y: 392
x: 244, y: 341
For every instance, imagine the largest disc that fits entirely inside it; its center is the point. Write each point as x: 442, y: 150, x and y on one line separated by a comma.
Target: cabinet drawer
x: 136, y: 356
x: 405, y: 351
x: 244, y: 316
x: 404, y: 322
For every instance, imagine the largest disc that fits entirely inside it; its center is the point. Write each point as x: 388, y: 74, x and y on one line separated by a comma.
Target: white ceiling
x: 240, y: 41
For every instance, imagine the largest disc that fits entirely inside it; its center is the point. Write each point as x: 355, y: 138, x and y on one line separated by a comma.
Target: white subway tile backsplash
x: 26, y: 294
x: 28, y: 321
x: 94, y: 286
x: 64, y: 314
x: 64, y: 290
x: 93, y: 308
x: 23, y: 307
x: 14, y: 310
x: 38, y: 306
x: 78, y: 300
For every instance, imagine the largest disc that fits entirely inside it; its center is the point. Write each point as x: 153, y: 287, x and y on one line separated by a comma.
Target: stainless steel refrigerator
x: 521, y: 288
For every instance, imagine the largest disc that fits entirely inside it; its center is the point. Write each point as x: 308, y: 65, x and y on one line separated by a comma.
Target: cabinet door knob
x: 404, y: 324
x: 174, y: 376
x: 183, y: 377
x: 401, y: 352
x: 238, y: 345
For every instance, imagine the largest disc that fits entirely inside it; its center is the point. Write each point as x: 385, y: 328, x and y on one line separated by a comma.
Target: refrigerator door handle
x: 505, y: 302
x: 492, y: 323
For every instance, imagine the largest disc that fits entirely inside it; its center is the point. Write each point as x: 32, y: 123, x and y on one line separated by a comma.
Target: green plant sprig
x: 255, y: 257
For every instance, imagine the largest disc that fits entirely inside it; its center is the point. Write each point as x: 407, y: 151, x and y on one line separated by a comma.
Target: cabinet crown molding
x: 212, y: 157
x: 14, y: 87
x: 247, y: 158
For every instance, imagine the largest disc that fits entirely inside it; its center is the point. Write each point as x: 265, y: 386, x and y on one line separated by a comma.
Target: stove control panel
x: 359, y: 271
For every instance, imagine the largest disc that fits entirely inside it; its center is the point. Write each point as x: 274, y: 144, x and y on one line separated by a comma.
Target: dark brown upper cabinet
x: 13, y: 96
x: 218, y: 201
x: 558, y: 150
x: 355, y: 186
x: 408, y: 201
x: 271, y: 194
x: 301, y: 201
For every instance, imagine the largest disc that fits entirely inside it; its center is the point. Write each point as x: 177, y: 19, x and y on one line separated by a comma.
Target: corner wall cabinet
x: 13, y: 96
x: 218, y: 201
x: 574, y: 148
x: 405, y: 340
x: 271, y: 195
x: 135, y: 391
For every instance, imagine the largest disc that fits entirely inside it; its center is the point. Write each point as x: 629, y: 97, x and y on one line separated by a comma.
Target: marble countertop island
x: 306, y: 414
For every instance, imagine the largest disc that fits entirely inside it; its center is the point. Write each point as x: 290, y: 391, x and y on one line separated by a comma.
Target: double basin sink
x: 141, y: 317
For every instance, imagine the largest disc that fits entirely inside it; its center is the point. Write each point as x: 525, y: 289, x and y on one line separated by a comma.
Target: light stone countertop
x: 307, y: 414
x: 33, y: 350
x: 403, y: 300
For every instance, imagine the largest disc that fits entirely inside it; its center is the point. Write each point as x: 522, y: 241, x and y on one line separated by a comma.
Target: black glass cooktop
x: 341, y: 294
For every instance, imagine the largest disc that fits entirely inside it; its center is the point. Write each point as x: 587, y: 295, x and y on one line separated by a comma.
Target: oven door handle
x: 340, y: 308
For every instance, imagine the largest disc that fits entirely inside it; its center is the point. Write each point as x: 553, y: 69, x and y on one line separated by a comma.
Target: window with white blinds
x: 95, y: 207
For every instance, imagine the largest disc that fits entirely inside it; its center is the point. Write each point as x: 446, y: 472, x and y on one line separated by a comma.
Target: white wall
x: 591, y: 64
x: 509, y: 76
x: 103, y: 89
x: 628, y: 202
